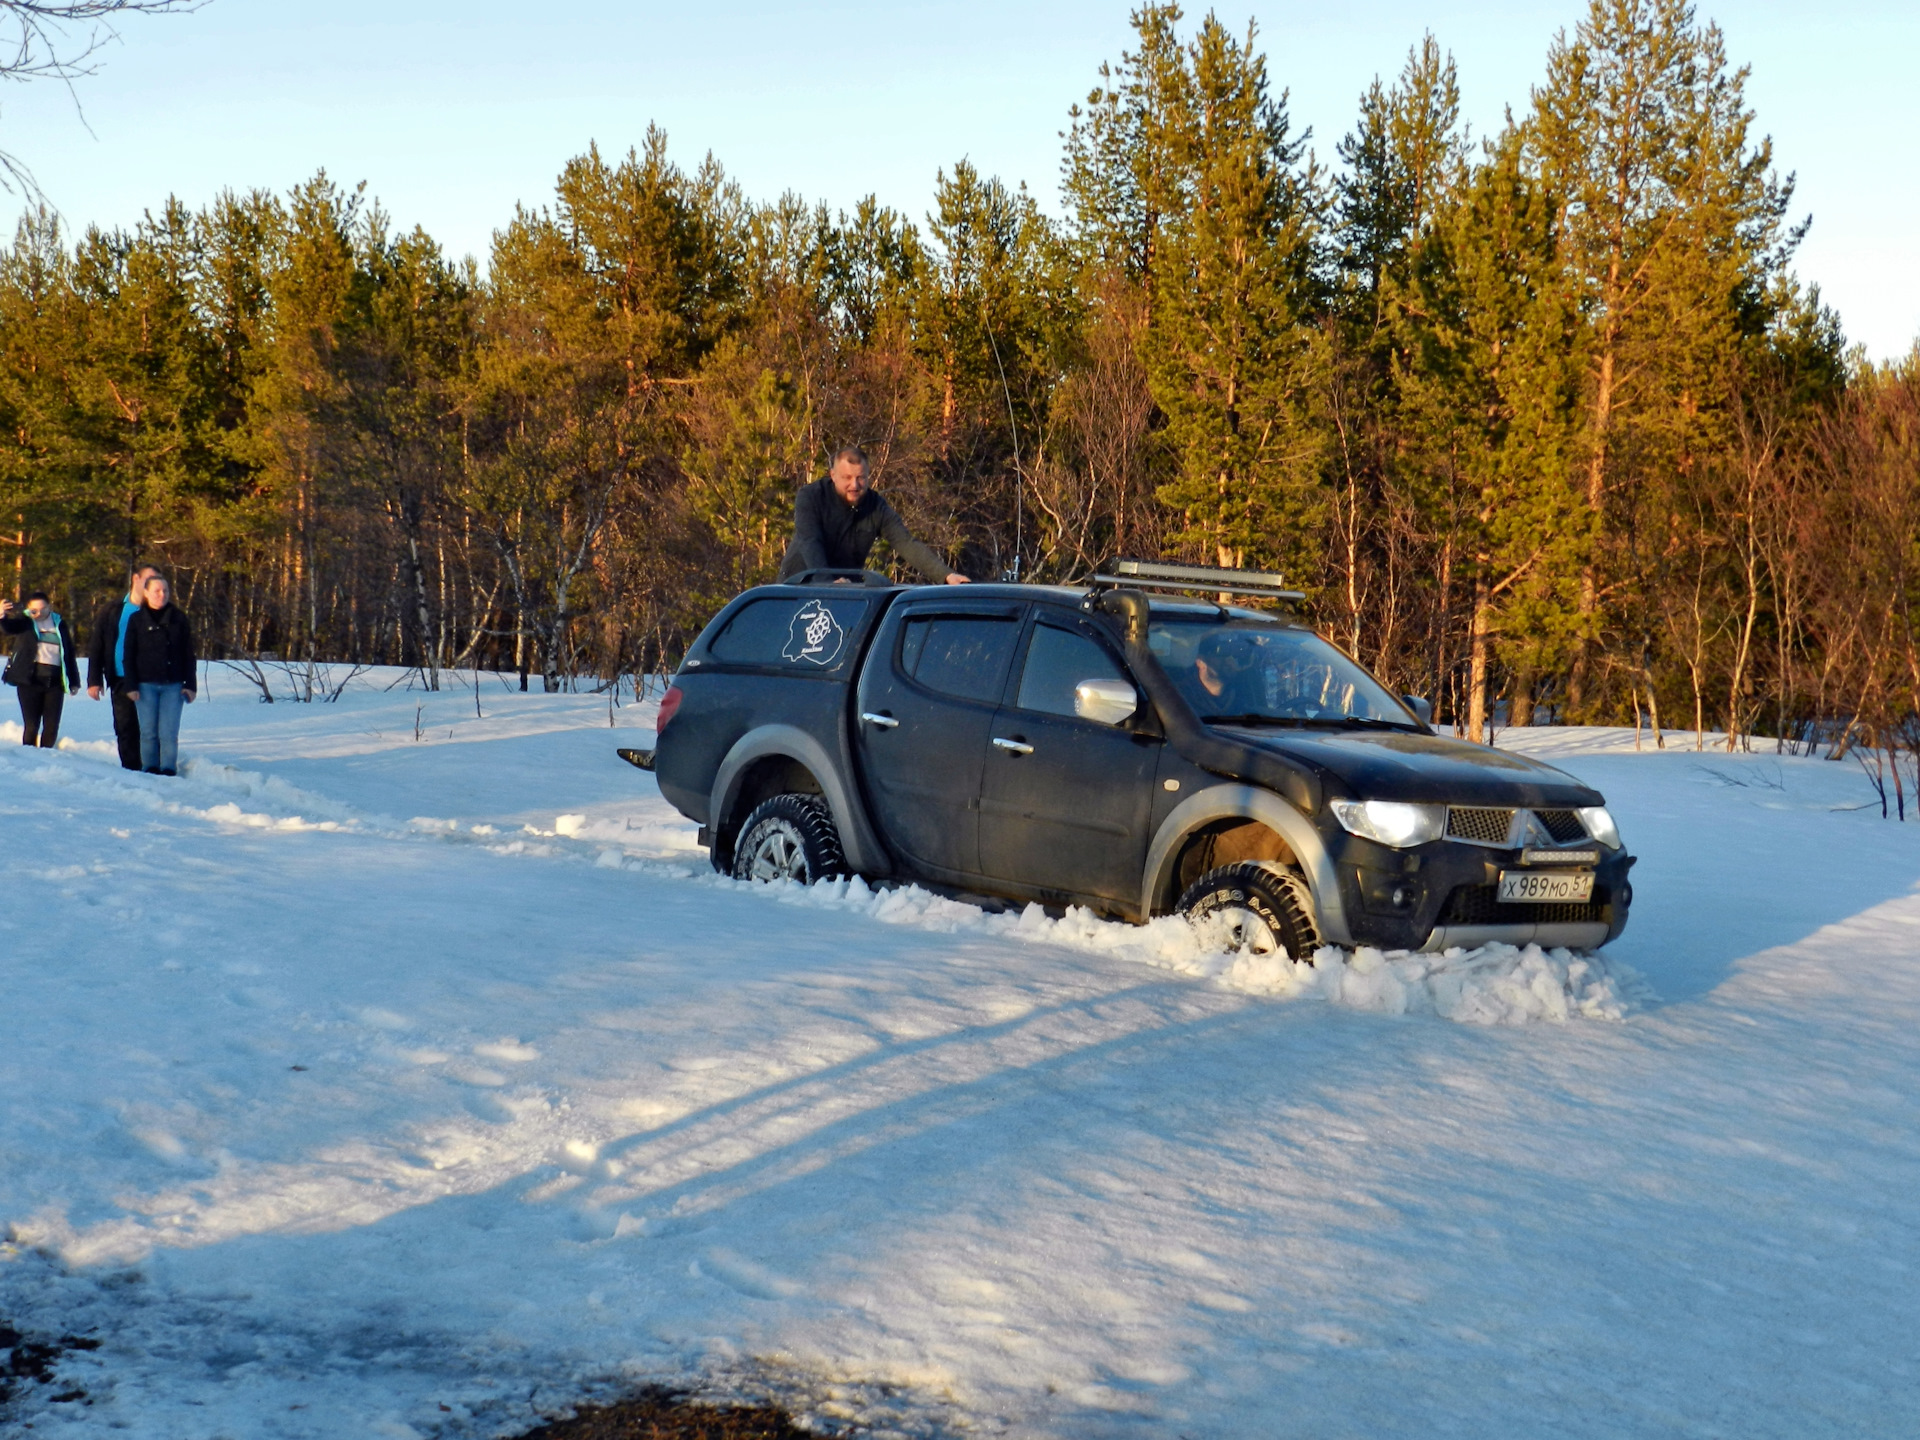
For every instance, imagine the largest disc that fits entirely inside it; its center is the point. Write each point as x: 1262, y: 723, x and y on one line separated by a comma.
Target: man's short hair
x: 38, y: 595
x: 848, y: 452
x: 143, y: 565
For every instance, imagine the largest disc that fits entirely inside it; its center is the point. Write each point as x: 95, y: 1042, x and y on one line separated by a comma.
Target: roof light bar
x: 1152, y: 575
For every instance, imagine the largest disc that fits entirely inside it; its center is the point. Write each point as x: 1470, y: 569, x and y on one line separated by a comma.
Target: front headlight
x: 1600, y: 825
x: 1391, y: 822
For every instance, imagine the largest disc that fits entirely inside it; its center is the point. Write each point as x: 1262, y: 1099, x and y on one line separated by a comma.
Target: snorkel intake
x: 1191, y: 740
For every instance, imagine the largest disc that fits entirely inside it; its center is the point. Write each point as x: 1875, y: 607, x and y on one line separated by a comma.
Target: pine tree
x: 597, y: 316
x: 749, y: 457
x: 1232, y: 348
x: 400, y: 359
x: 990, y: 311
x: 1406, y: 161
x: 872, y: 259
x: 141, y: 377
x: 312, y: 278
x: 1671, y: 228
x: 1120, y: 173
x: 1490, y: 402
x: 46, y: 508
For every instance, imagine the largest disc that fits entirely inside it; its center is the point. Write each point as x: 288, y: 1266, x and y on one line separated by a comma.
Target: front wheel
x: 1255, y: 905
x: 789, y: 837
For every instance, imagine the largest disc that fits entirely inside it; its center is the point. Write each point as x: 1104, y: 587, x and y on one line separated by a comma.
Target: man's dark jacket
x: 160, y: 647
x: 829, y: 534
x: 26, y: 650
x: 101, y: 669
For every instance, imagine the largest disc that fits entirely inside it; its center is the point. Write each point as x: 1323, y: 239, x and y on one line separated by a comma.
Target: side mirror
x: 1422, y: 709
x: 1110, y: 702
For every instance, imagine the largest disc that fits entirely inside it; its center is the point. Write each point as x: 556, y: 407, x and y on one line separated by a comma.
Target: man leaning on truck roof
x: 837, y: 518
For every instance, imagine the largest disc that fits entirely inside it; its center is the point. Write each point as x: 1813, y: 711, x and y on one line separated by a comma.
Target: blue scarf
x: 127, y: 610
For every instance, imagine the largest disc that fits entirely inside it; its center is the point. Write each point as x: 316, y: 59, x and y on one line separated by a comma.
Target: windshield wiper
x: 1367, y: 722
x: 1253, y: 720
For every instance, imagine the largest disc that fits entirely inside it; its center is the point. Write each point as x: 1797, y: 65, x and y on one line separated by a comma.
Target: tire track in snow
x: 1487, y: 985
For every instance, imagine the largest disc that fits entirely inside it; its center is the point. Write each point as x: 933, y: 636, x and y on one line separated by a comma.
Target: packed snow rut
x: 1488, y: 985
x: 1485, y: 985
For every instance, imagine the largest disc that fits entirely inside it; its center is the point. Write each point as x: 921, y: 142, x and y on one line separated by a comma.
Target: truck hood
x: 1403, y: 765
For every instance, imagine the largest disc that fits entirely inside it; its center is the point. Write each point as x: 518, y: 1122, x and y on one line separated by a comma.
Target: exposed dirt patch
x: 28, y: 1360
x: 662, y: 1415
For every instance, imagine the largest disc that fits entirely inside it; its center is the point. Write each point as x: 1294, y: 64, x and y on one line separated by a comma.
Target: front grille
x: 1483, y: 827
x: 1481, y: 905
x: 1563, y: 825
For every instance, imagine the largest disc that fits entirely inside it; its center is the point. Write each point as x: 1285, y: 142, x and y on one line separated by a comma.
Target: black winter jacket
x: 26, y: 650
x: 100, y: 645
x: 829, y: 534
x: 160, y: 647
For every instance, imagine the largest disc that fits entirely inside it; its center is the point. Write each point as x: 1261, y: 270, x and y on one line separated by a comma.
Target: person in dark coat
x: 43, y: 668
x: 837, y: 518
x: 160, y: 670
x: 106, y: 670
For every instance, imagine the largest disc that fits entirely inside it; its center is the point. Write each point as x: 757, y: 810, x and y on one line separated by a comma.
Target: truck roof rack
x: 1153, y: 575
x: 869, y: 579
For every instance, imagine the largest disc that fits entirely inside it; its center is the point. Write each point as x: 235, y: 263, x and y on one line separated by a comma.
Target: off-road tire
x: 789, y: 837
x: 1256, y: 905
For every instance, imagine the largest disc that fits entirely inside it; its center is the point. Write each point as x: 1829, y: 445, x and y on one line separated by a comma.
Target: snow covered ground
x: 359, y: 1084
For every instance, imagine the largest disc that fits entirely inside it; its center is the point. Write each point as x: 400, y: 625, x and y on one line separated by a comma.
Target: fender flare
x: 1248, y: 802
x: 865, y: 855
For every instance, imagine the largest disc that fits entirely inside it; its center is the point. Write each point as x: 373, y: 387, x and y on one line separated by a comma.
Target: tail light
x: 669, y: 707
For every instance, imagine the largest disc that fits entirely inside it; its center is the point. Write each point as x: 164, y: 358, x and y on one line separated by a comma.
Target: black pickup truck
x: 1141, y: 756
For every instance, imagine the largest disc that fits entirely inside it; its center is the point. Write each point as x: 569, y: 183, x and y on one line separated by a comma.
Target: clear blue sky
x: 453, y: 111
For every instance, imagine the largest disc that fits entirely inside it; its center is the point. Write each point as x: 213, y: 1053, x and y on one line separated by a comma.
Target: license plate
x: 1545, y: 887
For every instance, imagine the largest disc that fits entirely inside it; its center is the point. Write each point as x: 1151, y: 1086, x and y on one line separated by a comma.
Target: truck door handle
x: 1016, y: 747
x: 885, y: 722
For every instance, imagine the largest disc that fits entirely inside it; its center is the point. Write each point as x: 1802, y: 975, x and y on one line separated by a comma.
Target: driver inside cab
x: 1239, y: 673
x: 1229, y: 670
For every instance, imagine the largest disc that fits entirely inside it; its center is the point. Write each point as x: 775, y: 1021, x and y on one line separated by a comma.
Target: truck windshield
x: 1252, y: 672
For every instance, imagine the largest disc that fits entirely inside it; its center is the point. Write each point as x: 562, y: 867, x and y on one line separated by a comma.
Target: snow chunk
x: 1488, y: 985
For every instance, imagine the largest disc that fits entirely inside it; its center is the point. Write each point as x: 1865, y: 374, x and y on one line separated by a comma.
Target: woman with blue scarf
x: 43, y: 668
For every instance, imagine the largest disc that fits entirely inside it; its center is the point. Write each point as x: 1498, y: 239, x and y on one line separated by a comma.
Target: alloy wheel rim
x: 779, y: 854
x: 1238, y: 928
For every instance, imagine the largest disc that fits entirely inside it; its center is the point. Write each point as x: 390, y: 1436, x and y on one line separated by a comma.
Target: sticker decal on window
x: 815, y: 636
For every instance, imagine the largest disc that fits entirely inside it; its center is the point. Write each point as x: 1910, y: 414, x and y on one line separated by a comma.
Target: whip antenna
x: 1019, y: 473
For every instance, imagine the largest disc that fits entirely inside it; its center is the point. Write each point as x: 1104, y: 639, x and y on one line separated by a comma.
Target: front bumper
x: 1445, y: 893
x: 1553, y: 935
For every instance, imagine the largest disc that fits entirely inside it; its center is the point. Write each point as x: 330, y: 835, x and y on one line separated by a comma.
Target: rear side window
x: 1057, y: 661
x: 803, y: 634
x: 961, y: 655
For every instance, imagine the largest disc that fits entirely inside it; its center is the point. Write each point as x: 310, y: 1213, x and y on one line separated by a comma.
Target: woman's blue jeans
x: 159, y: 710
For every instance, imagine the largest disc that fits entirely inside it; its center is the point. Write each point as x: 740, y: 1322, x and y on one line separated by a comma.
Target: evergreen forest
x: 1542, y: 421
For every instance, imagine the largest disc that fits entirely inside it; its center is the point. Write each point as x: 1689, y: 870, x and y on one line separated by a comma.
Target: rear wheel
x: 1255, y: 905
x: 789, y: 837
